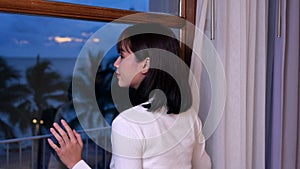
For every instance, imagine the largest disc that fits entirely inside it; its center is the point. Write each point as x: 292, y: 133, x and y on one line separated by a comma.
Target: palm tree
x: 46, y: 87
x: 6, y: 130
x: 13, y: 100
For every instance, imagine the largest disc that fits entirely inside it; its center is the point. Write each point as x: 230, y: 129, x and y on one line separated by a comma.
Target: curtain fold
x: 283, y: 103
x: 290, y: 114
x: 270, y: 86
x: 241, y: 43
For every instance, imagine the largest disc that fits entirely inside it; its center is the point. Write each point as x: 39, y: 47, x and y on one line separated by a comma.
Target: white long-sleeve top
x: 156, y: 140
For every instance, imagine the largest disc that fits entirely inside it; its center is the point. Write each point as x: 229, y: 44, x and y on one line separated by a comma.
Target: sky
x: 28, y: 36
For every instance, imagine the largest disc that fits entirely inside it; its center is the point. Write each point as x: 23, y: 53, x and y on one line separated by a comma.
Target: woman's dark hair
x: 157, y: 42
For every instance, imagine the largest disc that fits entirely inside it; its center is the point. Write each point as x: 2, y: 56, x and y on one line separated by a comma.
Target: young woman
x: 161, y: 130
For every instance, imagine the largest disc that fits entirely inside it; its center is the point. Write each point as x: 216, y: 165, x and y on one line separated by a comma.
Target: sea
x: 64, y: 66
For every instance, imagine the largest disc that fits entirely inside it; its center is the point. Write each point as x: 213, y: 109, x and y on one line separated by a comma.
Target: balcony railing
x: 34, y: 152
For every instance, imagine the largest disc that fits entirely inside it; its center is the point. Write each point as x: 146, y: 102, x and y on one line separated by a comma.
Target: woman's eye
x: 122, y: 57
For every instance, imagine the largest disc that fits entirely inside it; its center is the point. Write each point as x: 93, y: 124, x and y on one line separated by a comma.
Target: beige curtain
x: 238, y: 141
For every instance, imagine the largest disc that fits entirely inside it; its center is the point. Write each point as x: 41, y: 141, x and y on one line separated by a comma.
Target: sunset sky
x: 27, y: 36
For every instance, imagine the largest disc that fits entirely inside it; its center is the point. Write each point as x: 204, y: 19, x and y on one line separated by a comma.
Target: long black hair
x: 170, y: 76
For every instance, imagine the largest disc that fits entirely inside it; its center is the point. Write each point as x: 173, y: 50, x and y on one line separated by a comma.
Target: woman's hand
x: 70, y: 144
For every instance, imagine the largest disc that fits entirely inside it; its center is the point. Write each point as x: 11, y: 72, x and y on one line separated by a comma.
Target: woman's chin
x: 121, y: 84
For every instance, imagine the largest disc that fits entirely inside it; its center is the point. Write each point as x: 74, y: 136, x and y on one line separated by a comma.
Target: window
x: 162, y: 6
x: 43, y: 39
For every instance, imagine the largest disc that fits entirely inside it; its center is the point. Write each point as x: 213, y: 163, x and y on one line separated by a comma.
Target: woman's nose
x: 117, y: 62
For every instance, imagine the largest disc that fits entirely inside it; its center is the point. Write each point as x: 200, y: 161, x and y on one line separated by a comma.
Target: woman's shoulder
x: 130, y: 117
x: 134, y: 115
x: 128, y: 123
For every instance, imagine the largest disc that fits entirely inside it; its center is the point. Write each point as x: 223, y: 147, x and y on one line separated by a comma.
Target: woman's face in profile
x: 128, y: 70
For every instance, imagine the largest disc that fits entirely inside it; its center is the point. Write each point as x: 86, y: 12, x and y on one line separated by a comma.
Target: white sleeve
x: 118, y: 162
x: 81, y: 165
x: 200, y: 159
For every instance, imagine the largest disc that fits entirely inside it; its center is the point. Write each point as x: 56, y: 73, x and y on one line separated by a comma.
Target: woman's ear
x: 146, y: 65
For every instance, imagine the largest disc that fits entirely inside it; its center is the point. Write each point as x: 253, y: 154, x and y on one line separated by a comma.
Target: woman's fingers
x: 69, y: 130
x: 65, y: 137
x: 69, y: 151
x: 62, y: 133
x: 57, y: 136
x: 53, y: 145
x: 78, y: 138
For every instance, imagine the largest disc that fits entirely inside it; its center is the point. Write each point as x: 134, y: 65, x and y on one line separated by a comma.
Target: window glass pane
x: 163, y: 6
x: 37, y: 58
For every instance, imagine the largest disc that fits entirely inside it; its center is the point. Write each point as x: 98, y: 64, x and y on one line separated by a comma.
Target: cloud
x: 21, y: 42
x: 86, y: 34
x: 59, y: 39
x: 78, y: 40
x: 96, y: 40
x: 66, y: 39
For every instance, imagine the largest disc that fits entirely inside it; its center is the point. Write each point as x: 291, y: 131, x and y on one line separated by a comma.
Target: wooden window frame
x: 84, y: 12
